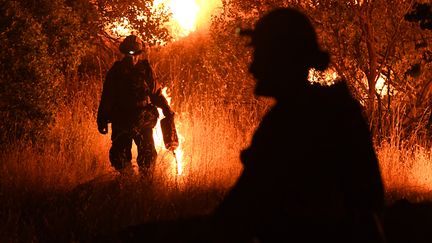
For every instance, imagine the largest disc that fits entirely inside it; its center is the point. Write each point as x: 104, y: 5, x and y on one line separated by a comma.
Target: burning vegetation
x: 55, y: 56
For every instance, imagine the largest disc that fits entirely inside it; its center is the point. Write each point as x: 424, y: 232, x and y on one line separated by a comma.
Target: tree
x: 141, y: 15
x: 422, y: 13
x: 35, y: 56
x: 46, y: 43
x: 369, y: 41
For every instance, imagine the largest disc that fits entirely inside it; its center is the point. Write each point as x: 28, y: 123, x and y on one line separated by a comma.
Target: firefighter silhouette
x: 310, y: 173
x: 129, y: 101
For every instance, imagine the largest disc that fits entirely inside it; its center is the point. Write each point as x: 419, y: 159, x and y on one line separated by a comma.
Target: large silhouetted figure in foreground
x: 310, y: 173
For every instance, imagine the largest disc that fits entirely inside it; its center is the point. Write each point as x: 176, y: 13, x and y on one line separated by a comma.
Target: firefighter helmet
x: 284, y: 26
x: 131, y: 45
x: 289, y: 31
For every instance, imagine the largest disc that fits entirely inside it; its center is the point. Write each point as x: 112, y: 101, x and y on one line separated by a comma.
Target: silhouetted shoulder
x: 336, y: 97
x: 116, y: 65
x: 143, y: 65
x: 115, y: 68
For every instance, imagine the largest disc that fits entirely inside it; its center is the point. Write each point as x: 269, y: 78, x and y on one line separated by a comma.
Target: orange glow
x: 121, y: 28
x: 327, y: 77
x: 187, y: 17
x: 177, y: 161
x: 184, y: 15
x: 381, y: 86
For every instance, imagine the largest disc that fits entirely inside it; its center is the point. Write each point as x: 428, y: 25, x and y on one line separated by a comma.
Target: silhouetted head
x: 285, y: 48
x: 132, y: 46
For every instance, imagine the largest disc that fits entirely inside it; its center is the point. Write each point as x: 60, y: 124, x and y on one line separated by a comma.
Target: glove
x: 103, y: 128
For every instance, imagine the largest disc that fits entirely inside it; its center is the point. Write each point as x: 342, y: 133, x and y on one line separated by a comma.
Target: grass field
x: 64, y: 188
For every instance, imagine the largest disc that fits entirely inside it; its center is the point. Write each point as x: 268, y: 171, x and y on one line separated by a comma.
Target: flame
x: 382, y: 87
x: 187, y: 16
x: 329, y: 76
x: 177, y: 161
x: 326, y: 77
x: 184, y: 15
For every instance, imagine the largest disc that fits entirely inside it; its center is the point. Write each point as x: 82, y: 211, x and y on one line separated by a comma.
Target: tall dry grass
x: 406, y: 162
x: 214, y: 125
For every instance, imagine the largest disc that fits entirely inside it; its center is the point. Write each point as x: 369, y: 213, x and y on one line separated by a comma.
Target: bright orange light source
x: 187, y: 16
x: 177, y: 161
x: 184, y: 15
x: 121, y: 28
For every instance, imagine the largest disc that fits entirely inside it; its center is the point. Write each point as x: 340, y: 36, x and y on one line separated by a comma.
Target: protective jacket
x: 310, y: 170
x: 130, y: 95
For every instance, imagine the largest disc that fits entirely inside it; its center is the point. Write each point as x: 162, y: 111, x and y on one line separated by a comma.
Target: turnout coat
x: 131, y: 94
x: 310, y: 172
